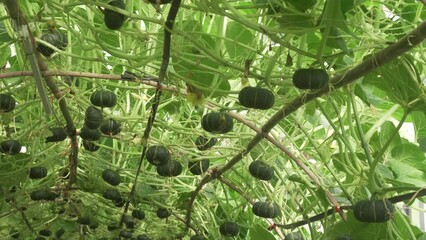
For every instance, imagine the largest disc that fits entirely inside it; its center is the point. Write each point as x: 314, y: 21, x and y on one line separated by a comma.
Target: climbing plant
x: 182, y: 119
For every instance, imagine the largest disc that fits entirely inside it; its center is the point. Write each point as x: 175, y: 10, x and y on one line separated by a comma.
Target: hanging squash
x: 266, y: 210
x: 229, y: 229
x: 171, y: 169
x: 310, y: 78
x: 125, y: 234
x: 43, y: 194
x: 256, y: 97
x: 142, y: 237
x: 10, y: 147
x: 7, y: 103
x: 111, y: 194
x: 90, y: 146
x: 199, y: 167
x: 90, y: 134
x: 119, y: 202
x: 114, y: 20
x: 373, y: 211
x: 93, y: 117
x: 103, y: 98
x: 58, y: 134
x: 217, y: 122
x: 163, y: 213
x: 203, y: 143
x: 45, y: 232
x: 157, y: 155
x: 37, y: 172
x: 261, y: 170
x: 138, y: 214
x: 56, y: 39
x: 110, y: 127
x: 112, y: 177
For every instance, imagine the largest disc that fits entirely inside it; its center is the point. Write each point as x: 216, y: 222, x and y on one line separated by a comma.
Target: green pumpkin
x: 229, y: 229
x: 94, y: 225
x: 14, y: 234
x: 256, y: 97
x: 129, y: 221
x: 10, y: 147
x: 84, y: 220
x: 157, y: 155
x: 203, y: 143
x: 7, y: 103
x: 59, y: 232
x: 138, y: 214
x: 119, y: 202
x: 112, y: 227
x: 266, y: 210
x: 103, y: 98
x: 111, y: 194
x: 112, y: 177
x: 90, y: 146
x: 125, y: 234
x: 93, y: 117
x: 45, y: 232
x: 373, y: 211
x: 90, y: 134
x: 142, y: 237
x: 261, y: 170
x: 160, y: 1
x: 110, y: 127
x: 217, y: 122
x: 163, y: 213
x: 43, y: 194
x: 294, y: 236
x: 114, y: 20
x: 37, y: 172
x: 310, y: 78
x: 199, y: 167
x: 58, y: 134
x: 55, y: 38
x: 170, y: 169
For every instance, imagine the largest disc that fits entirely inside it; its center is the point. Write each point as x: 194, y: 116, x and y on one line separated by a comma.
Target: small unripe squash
x: 14, y: 234
x: 59, y: 232
x: 229, y: 229
x: 261, y: 170
x: 138, y: 214
x: 125, y: 234
x: 55, y: 38
x: 112, y: 177
x: 310, y: 78
x: 142, y: 237
x: 45, y: 232
x: 90, y: 134
x: 256, y: 97
x: 58, y: 134
x: 199, y: 167
x: 112, y: 227
x: 110, y: 127
x: 10, y: 147
x: 373, y: 211
x: 111, y: 194
x: 171, y: 169
x: 7, y: 103
x: 90, y: 146
x: 101, y: 98
x: 266, y: 210
x: 163, y: 213
x: 93, y: 117
x: 37, y: 172
x: 114, y: 20
x: 203, y: 143
x: 217, y: 122
x: 119, y: 202
x: 157, y: 155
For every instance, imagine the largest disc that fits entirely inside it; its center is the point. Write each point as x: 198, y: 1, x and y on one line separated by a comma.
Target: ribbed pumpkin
x: 142, y: 237
x: 110, y: 127
x: 112, y: 227
x: 294, y: 236
x: 310, y: 78
x: 93, y: 117
x: 103, y: 98
x: 14, y: 234
x: 10, y: 147
x: 203, y: 143
x: 261, y: 170
x: 129, y: 221
x: 37, y: 172
x: 45, y: 232
x: 266, y: 209
x: 373, y: 211
x: 43, y: 194
x: 90, y: 146
x: 119, y: 202
x: 114, y: 20
x: 111, y: 194
x: 138, y: 214
x: 256, y: 97
x: 112, y: 177
x: 229, y: 229
x: 90, y: 134
x: 59, y: 232
x: 217, y: 122
x: 7, y: 103
x: 58, y: 134
x: 199, y: 167
x: 160, y: 1
x: 157, y: 155
x: 125, y: 234
x: 163, y: 213
x: 55, y: 38
x: 93, y: 225
x: 171, y: 169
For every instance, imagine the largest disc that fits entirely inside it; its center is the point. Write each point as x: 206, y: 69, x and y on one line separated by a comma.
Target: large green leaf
x: 386, y: 132
x: 258, y: 232
x: 238, y: 36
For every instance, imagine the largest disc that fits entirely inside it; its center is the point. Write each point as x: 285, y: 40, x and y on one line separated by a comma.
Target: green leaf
x: 407, y: 174
x: 259, y: 232
x: 335, y: 40
x: 386, y: 132
x: 4, y: 36
x: 240, y: 35
x: 4, y: 56
x: 419, y: 121
x: 302, y: 5
x: 410, y: 154
x: 294, y: 22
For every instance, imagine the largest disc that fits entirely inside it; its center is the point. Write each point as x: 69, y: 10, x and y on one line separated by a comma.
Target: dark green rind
x: 310, y: 78
x: 256, y: 97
